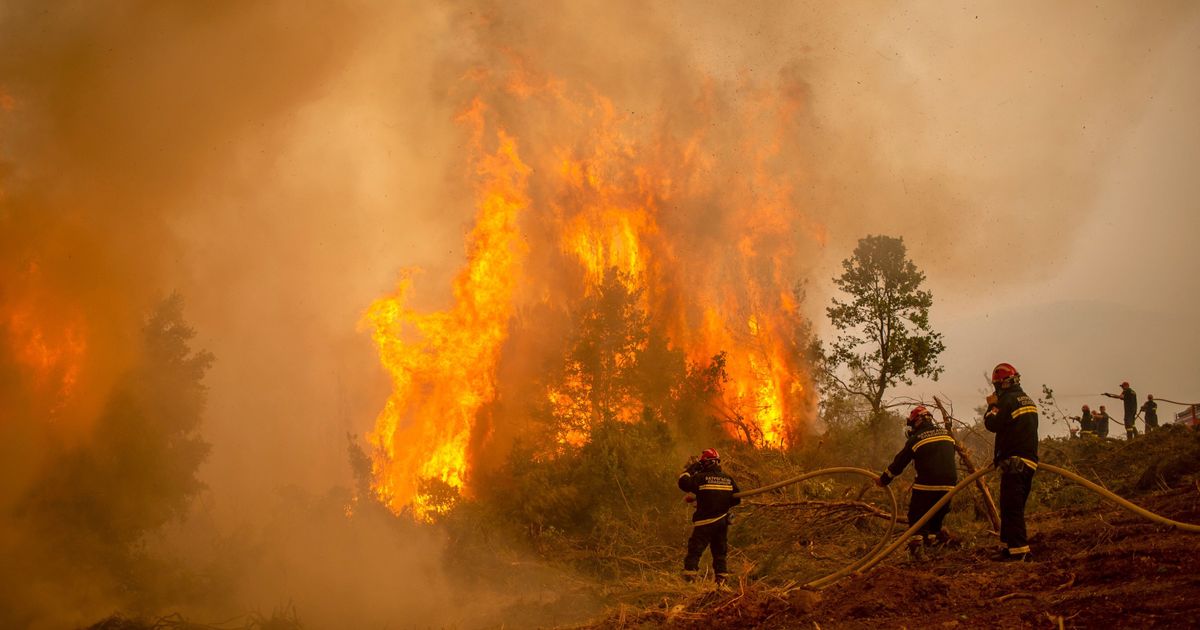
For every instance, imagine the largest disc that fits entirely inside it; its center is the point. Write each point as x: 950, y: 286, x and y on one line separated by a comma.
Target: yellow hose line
x: 822, y: 582
x: 915, y: 527
x: 1128, y: 505
x: 1042, y: 466
x: 875, y: 556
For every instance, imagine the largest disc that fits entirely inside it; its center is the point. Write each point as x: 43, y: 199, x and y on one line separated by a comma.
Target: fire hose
x: 879, y: 552
x: 854, y: 566
x: 1177, y: 403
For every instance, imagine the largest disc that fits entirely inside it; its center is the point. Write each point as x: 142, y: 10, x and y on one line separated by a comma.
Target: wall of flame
x: 568, y: 186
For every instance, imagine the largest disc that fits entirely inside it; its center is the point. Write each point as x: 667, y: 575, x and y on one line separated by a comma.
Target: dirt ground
x: 1092, y: 568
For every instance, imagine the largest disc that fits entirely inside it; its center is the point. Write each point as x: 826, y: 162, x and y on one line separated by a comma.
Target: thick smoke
x: 278, y: 163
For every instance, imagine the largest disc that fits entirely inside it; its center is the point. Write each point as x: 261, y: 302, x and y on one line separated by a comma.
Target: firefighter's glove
x: 689, y: 498
x: 884, y: 479
x: 1012, y: 464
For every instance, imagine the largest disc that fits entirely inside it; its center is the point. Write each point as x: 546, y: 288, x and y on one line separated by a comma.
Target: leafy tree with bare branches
x: 884, y: 333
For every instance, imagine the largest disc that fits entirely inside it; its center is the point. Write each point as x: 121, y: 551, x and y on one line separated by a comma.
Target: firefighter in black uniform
x: 1129, y: 397
x: 1100, y: 420
x: 1150, y: 408
x: 714, y: 492
x: 1013, y: 417
x: 931, y: 449
x: 1087, y: 426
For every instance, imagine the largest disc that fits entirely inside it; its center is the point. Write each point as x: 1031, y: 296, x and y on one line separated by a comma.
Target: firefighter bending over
x: 931, y: 449
x: 710, y: 524
x: 1013, y: 417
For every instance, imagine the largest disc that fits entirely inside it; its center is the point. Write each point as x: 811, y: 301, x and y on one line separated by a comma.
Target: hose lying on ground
x: 875, y: 556
x: 840, y: 470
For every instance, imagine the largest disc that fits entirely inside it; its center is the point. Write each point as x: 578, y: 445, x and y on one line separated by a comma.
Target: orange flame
x: 49, y: 343
x: 443, y: 364
x: 597, y: 198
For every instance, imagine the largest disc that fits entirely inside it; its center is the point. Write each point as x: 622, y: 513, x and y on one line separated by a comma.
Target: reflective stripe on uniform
x: 1030, y: 463
x: 922, y: 486
x: 1020, y: 411
x: 1016, y: 550
x: 716, y: 486
x: 708, y: 521
x: 936, y: 438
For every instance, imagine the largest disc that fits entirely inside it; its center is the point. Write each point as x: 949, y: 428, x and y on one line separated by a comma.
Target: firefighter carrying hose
x: 1013, y: 417
x: 1129, y: 398
x: 1150, y: 408
x: 713, y: 490
x: 931, y: 449
x: 1100, y: 421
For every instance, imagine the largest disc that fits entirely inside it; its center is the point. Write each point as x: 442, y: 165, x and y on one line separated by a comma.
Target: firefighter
x: 713, y: 490
x: 1150, y: 408
x: 1129, y: 397
x: 1013, y: 417
x: 1100, y: 421
x: 1087, y: 426
x: 931, y: 449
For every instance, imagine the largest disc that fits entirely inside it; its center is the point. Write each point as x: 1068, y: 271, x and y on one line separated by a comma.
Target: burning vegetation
x: 612, y: 255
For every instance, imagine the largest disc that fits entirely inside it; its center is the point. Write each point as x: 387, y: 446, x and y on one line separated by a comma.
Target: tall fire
x: 689, y: 220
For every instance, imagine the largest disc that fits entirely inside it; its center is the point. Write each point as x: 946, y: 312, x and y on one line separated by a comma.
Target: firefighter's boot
x: 916, y: 548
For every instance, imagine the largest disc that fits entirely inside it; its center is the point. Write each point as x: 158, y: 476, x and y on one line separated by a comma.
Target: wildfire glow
x: 708, y: 247
x: 47, y: 342
x: 443, y: 363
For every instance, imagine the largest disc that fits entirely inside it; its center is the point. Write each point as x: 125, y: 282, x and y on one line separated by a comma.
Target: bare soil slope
x: 1095, y: 565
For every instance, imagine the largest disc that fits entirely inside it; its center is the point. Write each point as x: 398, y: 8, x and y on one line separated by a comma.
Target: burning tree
x: 139, y: 467
x: 134, y: 471
x: 617, y: 366
x: 609, y: 253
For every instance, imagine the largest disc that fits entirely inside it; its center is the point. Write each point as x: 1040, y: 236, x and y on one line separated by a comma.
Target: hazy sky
x: 1114, y: 293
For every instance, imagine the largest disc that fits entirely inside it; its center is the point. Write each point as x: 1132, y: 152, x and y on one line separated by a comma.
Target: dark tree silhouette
x: 884, y: 334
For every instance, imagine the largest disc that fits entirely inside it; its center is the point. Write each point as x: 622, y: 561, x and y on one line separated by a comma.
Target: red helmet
x: 1124, y: 383
x: 1086, y: 408
x: 1004, y: 373
x: 710, y: 453
x: 917, y: 413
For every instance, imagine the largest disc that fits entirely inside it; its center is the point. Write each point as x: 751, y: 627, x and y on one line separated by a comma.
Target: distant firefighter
x: 1087, y: 426
x: 713, y: 490
x: 1150, y: 409
x: 1129, y: 397
x: 931, y: 449
x: 1100, y: 421
x: 1013, y: 417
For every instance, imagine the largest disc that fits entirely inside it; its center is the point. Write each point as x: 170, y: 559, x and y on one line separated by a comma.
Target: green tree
x: 884, y: 334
